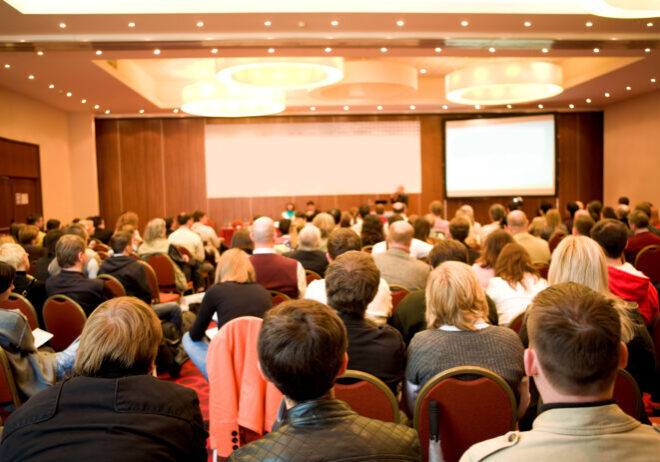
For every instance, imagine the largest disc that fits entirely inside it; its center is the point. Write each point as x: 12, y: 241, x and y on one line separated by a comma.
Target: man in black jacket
x: 302, y: 350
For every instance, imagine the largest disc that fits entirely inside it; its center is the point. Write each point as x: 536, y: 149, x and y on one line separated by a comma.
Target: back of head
x: 517, y: 220
x: 7, y: 274
x: 309, y: 238
x: 380, y: 209
x: 284, y: 226
x: 624, y: 200
x: 608, y: 212
x: 97, y: 220
x: 576, y: 333
x: 119, y: 241
x: 325, y: 223
x: 121, y: 337
x: 372, y: 230
x: 27, y: 234
x: 51, y: 238
x: 263, y: 231
x: 459, y: 228
x: 643, y: 206
x: 197, y: 215
x: 422, y: 229
x: 497, y: 212
x: 242, y: 240
x: 53, y: 223
x: 394, y: 218
x: 581, y: 260
x: 336, y: 215
x: 301, y: 348
x: 183, y: 218
x: 400, y: 232
x: 235, y: 265
x: 572, y: 207
x: 77, y: 229
x: 454, y: 296
x: 639, y: 219
x: 583, y: 225
x: 341, y: 241
x: 127, y: 218
x: 155, y: 229
x: 545, y: 206
x: 594, y: 208
x: 611, y: 235
x: 447, y: 250
x: 513, y: 263
x: 351, y: 282
x: 364, y: 210
x: 68, y: 249
x: 493, y: 245
x: 435, y: 208
x: 14, y: 255
x: 32, y: 218
x: 399, y: 208
x: 552, y: 218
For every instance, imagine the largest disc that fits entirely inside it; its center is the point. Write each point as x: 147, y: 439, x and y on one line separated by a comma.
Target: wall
x: 82, y: 145
x: 156, y: 168
x: 632, y: 150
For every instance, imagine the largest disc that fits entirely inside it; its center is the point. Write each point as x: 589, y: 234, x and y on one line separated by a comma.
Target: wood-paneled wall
x: 156, y: 167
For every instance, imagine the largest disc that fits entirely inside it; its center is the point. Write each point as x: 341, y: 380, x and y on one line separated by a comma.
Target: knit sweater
x: 495, y: 348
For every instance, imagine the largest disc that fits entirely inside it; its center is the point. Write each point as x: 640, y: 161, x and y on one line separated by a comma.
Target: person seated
x: 290, y: 211
x: 341, y: 241
x: 418, y: 248
x: 33, y: 370
x: 93, y: 261
x: 311, y: 211
x: 466, y: 211
x: 302, y: 350
x: 113, y: 408
x: 459, y: 334
x: 515, y: 284
x: 484, y: 266
x: 28, y: 236
x: 372, y: 230
x: 351, y: 282
x: 275, y: 272
x: 235, y: 293
x: 552, y: 224
x: 538, y: 223
x: 650, y: 211
x: 100, y: 232
x: 497, y: 214
x: 241, y: 240
x: 129, y: 220
x: 574, y: 352
x: 326, y: 224
x: 422, y: 230
x: 582, y: 223
x: 308, y: 251
x: 70, y: 281
x: 537, y: 248
x: 41, y: 272
x: 133, y: 276
x: 190, y: 241
x: 440, y: 226
x: 24, y: 284
x: 396, y: 265
x: 624, y: 280
x: 364, y: 210
x: 36, y: 219
x: 52, y: 224
x: 459, y: 229
x: 202, y: 226
x: 642, y: 236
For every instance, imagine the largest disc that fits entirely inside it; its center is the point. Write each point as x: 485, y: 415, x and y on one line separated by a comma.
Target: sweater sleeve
x: 209, y: 305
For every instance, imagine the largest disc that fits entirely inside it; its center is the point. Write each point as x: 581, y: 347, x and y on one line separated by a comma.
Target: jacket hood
x: 623, y: 282
x: 112, y: 264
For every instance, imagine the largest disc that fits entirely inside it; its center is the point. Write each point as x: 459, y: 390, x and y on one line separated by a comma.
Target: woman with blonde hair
x: 552, y: 223
x: 235, y: 294
x: 459, y: 334
x: 515, y: 284
x: 155, y: 242
x: 326, y: 223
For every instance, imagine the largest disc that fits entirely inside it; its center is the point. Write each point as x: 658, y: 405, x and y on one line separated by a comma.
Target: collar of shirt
x: 479, y: 324
x: 547, y: 407
x: 263, y: 250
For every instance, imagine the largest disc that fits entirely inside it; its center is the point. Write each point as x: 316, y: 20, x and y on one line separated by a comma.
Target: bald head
x: 400, y: 234
x: 517, y: 221
x: 263, y: 232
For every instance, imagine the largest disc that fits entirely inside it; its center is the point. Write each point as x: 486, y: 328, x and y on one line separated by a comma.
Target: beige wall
x: 66, y: 148
x: 631, y: 163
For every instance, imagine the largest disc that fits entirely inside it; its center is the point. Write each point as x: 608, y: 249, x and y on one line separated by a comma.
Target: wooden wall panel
x: 108, y: 168
x: 19, y: 160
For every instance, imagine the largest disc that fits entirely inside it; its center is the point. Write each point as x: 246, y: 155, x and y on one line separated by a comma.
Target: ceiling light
x: 412, y: 107
x: 445, y: 107
x: 84, y: 101
x: 271, y: 50
x: 7, y: 66
x: 51, y: 86
x: 540, y: 106
x: 380, y: 108
x: 502, y: 83
x: 31, y: 77
x: 383, y: 50
x: 622, y: 8
x: 107, y: 111
x: 334, y: 22
x: 596, y: 50
x: 285, y: 73
x: 491, y: 49
x: 652, y: 80
x: 438, y: 49
x: 508, y: 106
x: 214, y: 51
x: 571, y: 106
x: 588, y: 100
x: 62, y: 25
x: 200, y: 23
x: 422, y: 71
x: 141, y: 111
x: 328, y: 49
x: 346, y: 108
x: 96, y: 106
x: 628, y: 88
x: 40, y: 53
x: 649, y: 24
x: 212, y: 99
x: 313, y: 108
x: 588, y: 23
x: 400, y: 23
x: 131, y: 24
x: 176, y: 111
x: 464, y: 23
x: 99, y: 52
x: 69, y: 94
x: 267, y: 23
x: 647, y: 50
x: 527, y: 24
x: 544, y: 50
x: 477, y: 106
x: 607, y: 95
x: 156, y: 51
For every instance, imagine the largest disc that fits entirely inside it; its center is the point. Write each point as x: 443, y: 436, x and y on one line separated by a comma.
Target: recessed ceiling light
x: 214, y: 51
x: 383, y: 50
x: 96, y: 106
x: 588, y: 23
x: 328, y: 49
x: 99, y: 52
x: 649, y: 24
x: 540, y: 106
x: 176, y: 111
x: 422, y: 71
x: 445, y: 107
x: 84, y: 101
x: 438, y: 49
x: 200, y: 24
x: 596, y: 50
x: 544, y: 50
x: 400, y: 23
x: 628, y: 88
x: 40, y: 53
x: 156, y: 51
x: 131, y: 24
x: 380, y: 108
x: 508, y: 106
x: 647, y: 50
x: 571, y: 106
x: 334, y: 22
x: 267, y: 23
x: 271, y: 50
x: 51, y: 86
x: 652, y: 79
x: 412, y: 107
x: 477, y: 106
x: 491, y: 49
x: 313, y: 108
x: 527, y: 24
x: 69, y: 94
x: 465, y: 23
x: 107, y: 111
x: 7, y: 66
x: 588, y: 100
x: 346, y: 108
x: 141, y: 111
x: 62, y: 25
x: 31, y: 77
x: 607, y: 95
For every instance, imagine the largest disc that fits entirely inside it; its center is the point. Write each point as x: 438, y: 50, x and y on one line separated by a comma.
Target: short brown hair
x: 493, y: 245
x: 119, y: 241
x: 459, y: 228
x: 436, y: 208
x: 447, y: 250
x: 301, y: 348
x: 341, y: 241
x: 67, y: 250
x: 122, y: 333
x: 512, y: 264
x: 583, y: 225
x: 637, y: 217
x: 27, y: 234
x: 612, y: 235
x: 235, y: 266
x: 242, y: 240
x: 351, y: 282
x: 576, y: 333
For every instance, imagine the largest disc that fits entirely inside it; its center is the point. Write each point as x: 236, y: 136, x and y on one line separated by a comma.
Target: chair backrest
x: 100, y: 246
x: 63, y: 318
x: 398, y: 294
x: 627, y: 394
x: 278, y: 297
x: 8, y: 390
x: 648, y: 262
x: 103, y: 254
x: 368, y: 396
x: 463, y: 412
x: 542, y: 268
x: 163, y: 266
x: 312, y: 276
x: 368, y: 248
x: 152, y: 279
x: 18, y: 302
x: 112, y: 283
x: 555, y: 239
x: 184, y: 251
x: 516, y: 323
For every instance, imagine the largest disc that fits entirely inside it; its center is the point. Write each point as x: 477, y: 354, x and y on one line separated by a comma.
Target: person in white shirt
x: 418, y: 249
x: 186, y: 238
x: 202, y: 227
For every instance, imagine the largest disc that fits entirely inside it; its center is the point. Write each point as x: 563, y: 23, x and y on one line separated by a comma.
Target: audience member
x: 624, y: 200
x: 538, y: 224
x: 41, y: 266
x: 422, y: 230
x: 440, y: 226
x: 112, y: 404
x: 459, y: 229
x: 497, y: 213
x: 307, y: 250
x: 515, y: 284
x: 396, y: 265
x: 235, y: 293
x: 311, y: 211
x: 188, y: 239
x: 28, y: 236
x: 290, y: 211
x: 595, y: 208
x: 202, y: 226
x: 36, y: 219
x: 484, y: 266
x: 326, y: 224
x: 571, y: 208
x: 648, y: 209
x: 418, y: 248
x: 552, y: 224
x: 642, y: 236
x: 537, y: 248
x: 363, y: 211
x: 129, y: 219
x: 52, y: 224
x: 24, y: 284
x: 242, y: 240
x: 608, y: 212
x: 100, y: 232
x: 372, y: 230
x: 302, y: 350
x: 622, y: 212
x: 93, y: 261
x: 574, y: 352
x: 582, y: 224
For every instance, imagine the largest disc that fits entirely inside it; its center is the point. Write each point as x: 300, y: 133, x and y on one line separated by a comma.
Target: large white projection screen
x: 309, y: 159
x: 507, y: 156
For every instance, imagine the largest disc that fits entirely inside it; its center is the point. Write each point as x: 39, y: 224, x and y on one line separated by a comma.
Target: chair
x: 555, y: 239
x: 460, y: 413
x: 648, y: 262
x: 398, y: 294
x: 516, y: 323
x: 542, y: 268
x: 368, y: 248
x: 627, y: 394
x: 103, y: 254
x: 164, y: 266
x: 8, y: 390
x: 152, y: 279
x: 100, y: 246
x: 226, y: 234
x: 18, y: 302
x: 312, y: 276
x: 278, y: 297
x: 63, y: 318
x: 112, y: 283
x: 367, y: 395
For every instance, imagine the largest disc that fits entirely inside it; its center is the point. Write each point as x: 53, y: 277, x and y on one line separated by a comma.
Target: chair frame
x: 275, y: 293
x: 363, y: 376
x: 62, y: 298
x: 109, y: 277
x: 644, y: 250
x: 309, y: 272
x: 518, y: 317
x: 13, y: 390
x: 398, y: 287
x: 155, y: 291
x: 30, y: 306
x: 638, y: 393
x: 174, y: 265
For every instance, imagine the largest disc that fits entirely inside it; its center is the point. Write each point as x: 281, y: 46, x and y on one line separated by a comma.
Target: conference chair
x: 99, y: 246
x: 8, y: 392
x: 367, y: 395
x: 278, y: 297
x: 516, y: 323
x: 152, y: 279
x: 542, y: 268
x: 312, y: 276
x: 164, y: 266
x: 627, y: 394
x: 555, y: 239
x: 398, y: 293
x: 452, y: 414
x: 368, y: 248
x: 18, y: 302
x: 63, y: 318
x: 112, y: 283
x: 648, y: 262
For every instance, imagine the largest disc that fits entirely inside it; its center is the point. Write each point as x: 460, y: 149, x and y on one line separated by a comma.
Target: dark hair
x: 32, y: 218
x: 583, y: 224
x: 96, y: 220
x: 493, y: 245
x: 197, y: 215
x: 119, y: 241
x: 497, y: 212
x: 447, y: 250
x: 364, y: 210
x: 545, y: 206
x: 168, y: 222
x: 345, y: 220
x: 612, y: 235
x: 436, y: 208
x: 372, y: 230
x: 284, y: 225
x: 51, y: 238
x: 351, y: 282
x: 594, y: 208
x: 301, y: 348
x: 459, y: 228
x: 624, y: 200
x: 54, y: 223
x: 608, y: 212
x: 394, y: 218
x: 380, y: 209
x: 336, y: 215
x: 15, y: 228
x: 242, y: 240
x: 27, y: 234
x: 638, y: 218
x: 572, y: 207
x: 422, y: 229
x: 183, y: 218
x: 398, y: 209
x: 576, y: 333
x: 7, y: 274
x: 512, y: 264
x: 310, y: 203
x: 341, y: 241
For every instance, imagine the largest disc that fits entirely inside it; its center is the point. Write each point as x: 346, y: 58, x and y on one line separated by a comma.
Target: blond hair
x: 124, y: 333
x: 127, y: 218
x: 454, y: 296
x: 552, y: 218
x: 325, y: 223
x: 234, y: 266
x: 14, y: 255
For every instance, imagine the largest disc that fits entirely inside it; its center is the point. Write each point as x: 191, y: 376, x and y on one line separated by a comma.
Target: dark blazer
x: 314, y: 260
x: 131, y: 274
x: 132, y: 418
x: 35, y: 252
x: 88, y: 293
x: 102, y: 235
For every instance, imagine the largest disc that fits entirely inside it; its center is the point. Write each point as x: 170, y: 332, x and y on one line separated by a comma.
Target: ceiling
x: 107, y: 63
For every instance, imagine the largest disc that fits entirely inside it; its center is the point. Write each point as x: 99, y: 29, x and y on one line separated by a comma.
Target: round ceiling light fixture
x: 504, y: 83
x: 622, y: 8
x: 284, y: 73
x: 212, y: 99
x: 372, y: 79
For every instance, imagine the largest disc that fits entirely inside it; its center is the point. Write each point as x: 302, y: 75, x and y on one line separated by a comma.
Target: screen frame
x: 464, y: 117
